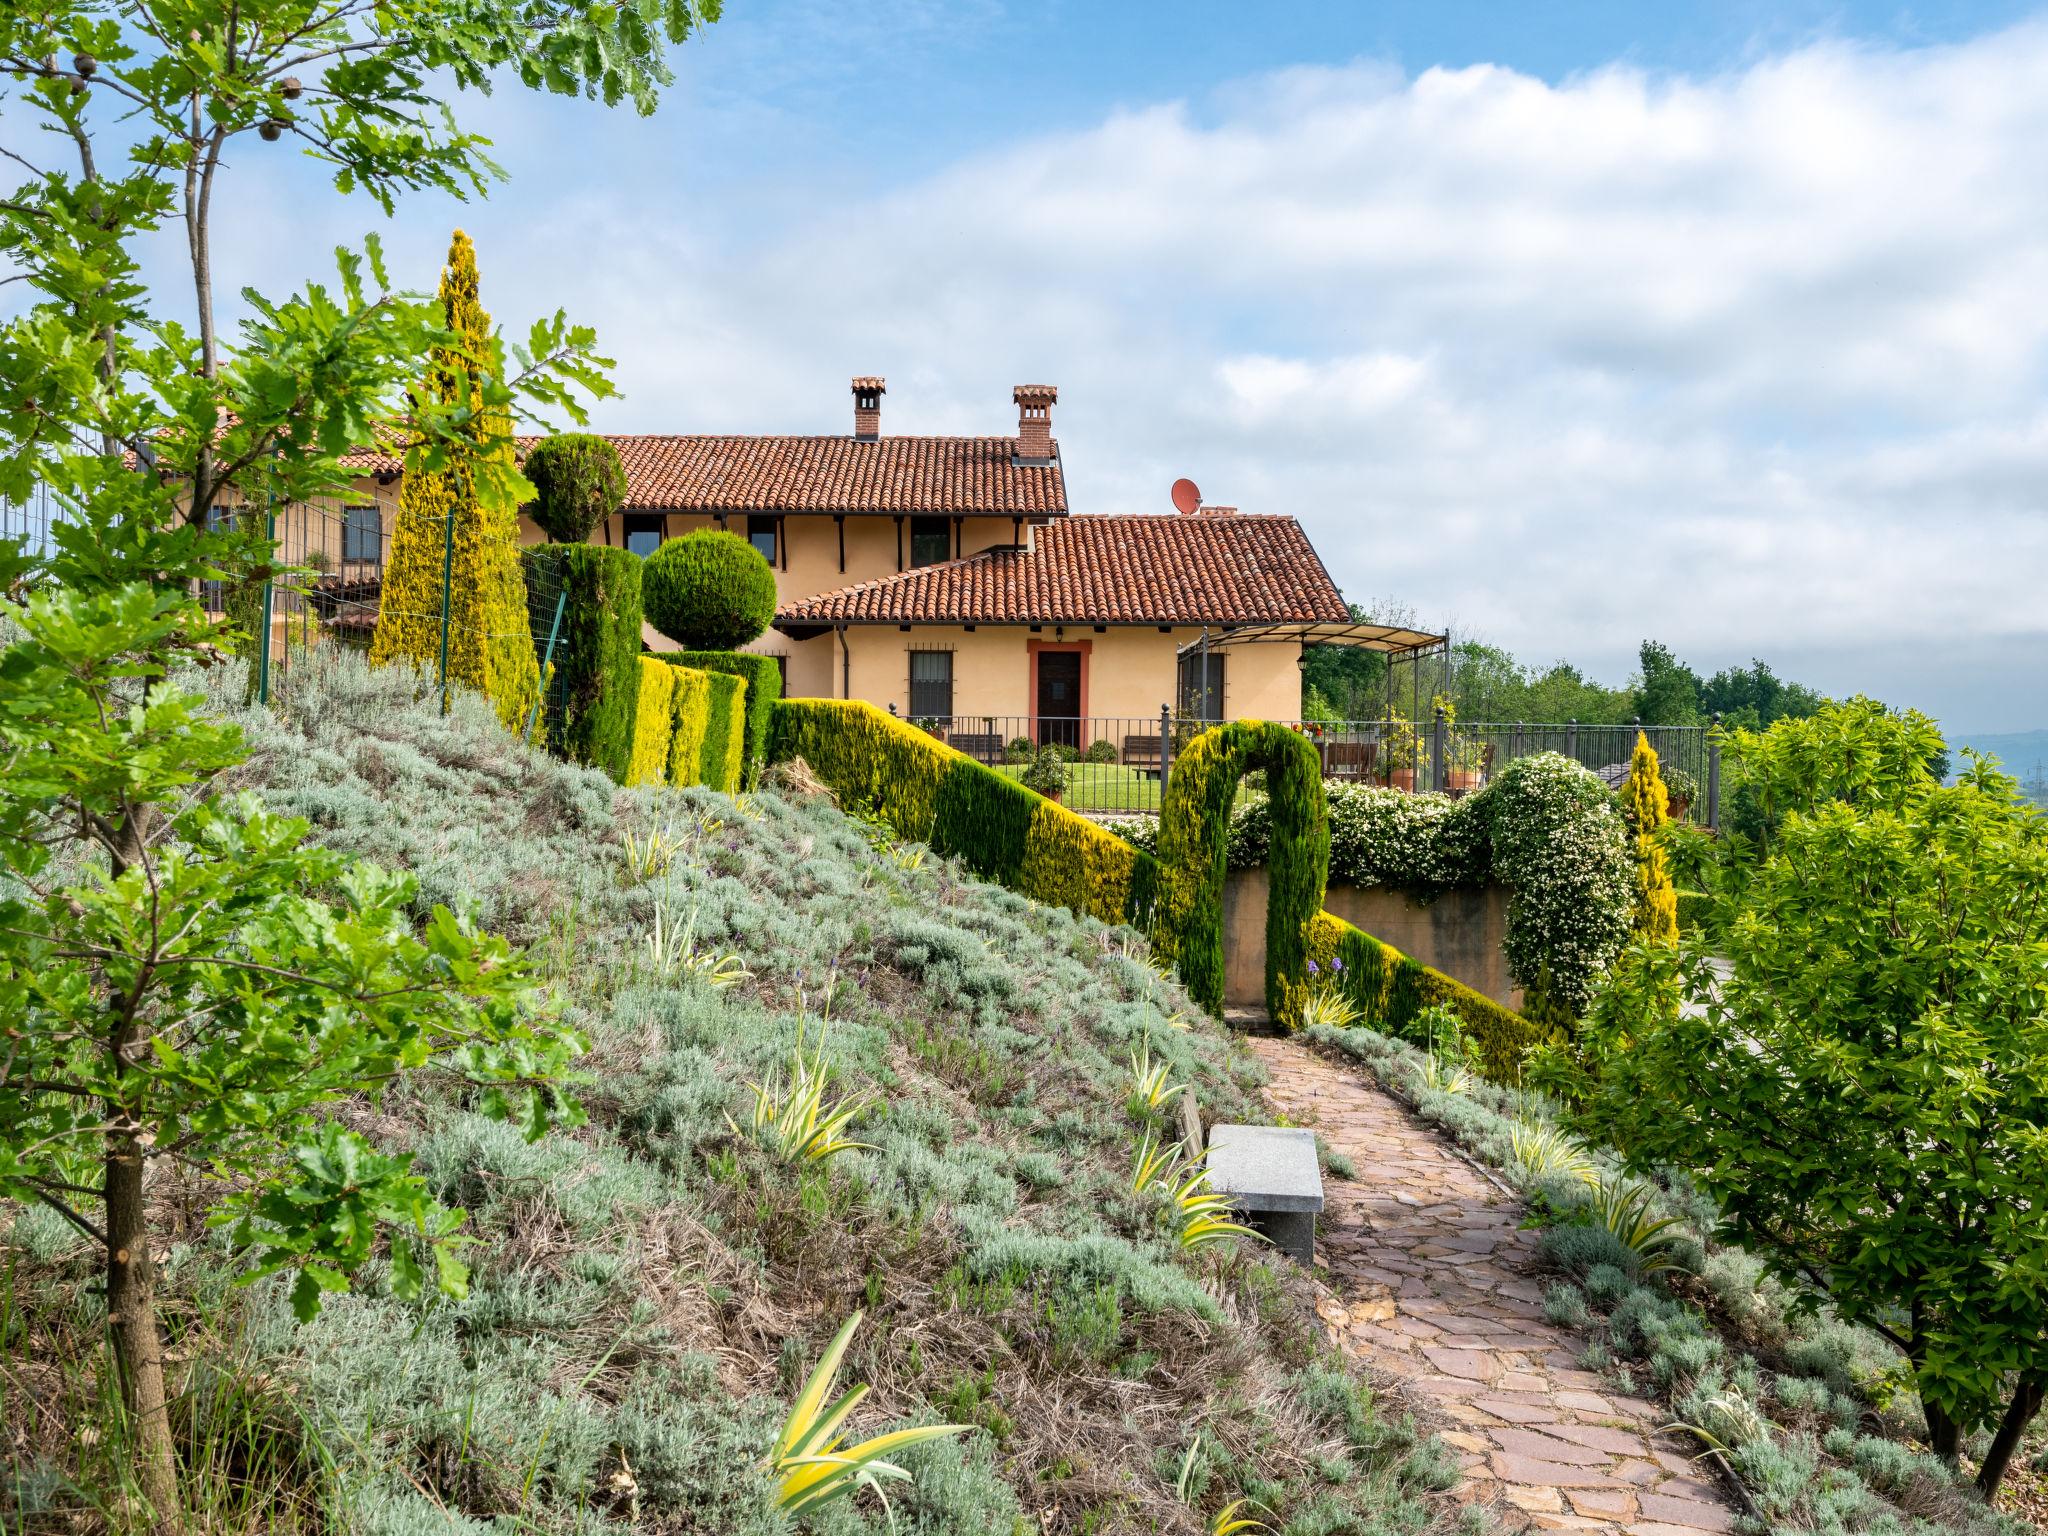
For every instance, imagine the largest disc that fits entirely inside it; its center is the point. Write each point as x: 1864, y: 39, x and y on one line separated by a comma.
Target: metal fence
x: 1118, y: 765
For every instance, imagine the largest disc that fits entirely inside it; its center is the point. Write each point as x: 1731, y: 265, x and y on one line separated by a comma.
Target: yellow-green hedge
x: 1391, y: 989
x: 689, y: 719
x: 653, y: 723
x: 879, y: 766
x: 723, y: 755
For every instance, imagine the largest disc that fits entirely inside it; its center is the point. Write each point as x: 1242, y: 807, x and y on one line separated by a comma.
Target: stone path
x: 1435, y: 1285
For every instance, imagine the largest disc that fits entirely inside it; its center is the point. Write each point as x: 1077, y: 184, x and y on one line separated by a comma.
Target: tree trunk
x: 2019, y: 1413
x: 131, y: 1322
x: 1944, y: 1434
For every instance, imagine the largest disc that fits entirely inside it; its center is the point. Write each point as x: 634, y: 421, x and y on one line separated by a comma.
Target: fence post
x: 447, y: 579
x: 1439, y: 771
x: 1714, y: 776
x: 1165, y: 750
x: 269, y: 602
x: 1571, y: 740
x: 546, y: 661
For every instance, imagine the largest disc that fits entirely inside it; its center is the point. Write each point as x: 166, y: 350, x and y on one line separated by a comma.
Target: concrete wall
x: 1460, y: 933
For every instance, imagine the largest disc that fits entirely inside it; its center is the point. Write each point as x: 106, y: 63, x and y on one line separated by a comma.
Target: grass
x: 650, y: 1292
x: 1101, y: 786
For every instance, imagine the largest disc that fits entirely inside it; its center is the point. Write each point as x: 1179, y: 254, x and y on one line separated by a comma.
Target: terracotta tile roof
x: 973, y: 476
x: 1106, y: 570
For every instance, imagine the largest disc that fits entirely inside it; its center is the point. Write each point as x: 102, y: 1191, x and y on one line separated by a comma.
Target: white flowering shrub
x: 1546, y: 828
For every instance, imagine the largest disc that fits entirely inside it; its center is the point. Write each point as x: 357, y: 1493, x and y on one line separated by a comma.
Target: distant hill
x: 2024, y: 755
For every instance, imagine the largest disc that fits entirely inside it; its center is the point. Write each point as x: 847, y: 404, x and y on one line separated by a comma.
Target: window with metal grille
x: 931, y: 540
x: 931, y: 685
x: 362, y: 535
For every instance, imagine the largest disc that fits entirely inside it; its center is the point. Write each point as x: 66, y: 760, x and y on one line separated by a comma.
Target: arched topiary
x: 578, y: 481
x: 1194, y: 827
x: 708, y: 591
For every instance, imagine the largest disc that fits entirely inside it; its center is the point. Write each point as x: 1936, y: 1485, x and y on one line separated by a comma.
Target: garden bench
x: 1142, y: 752
x: 1350, y: 759
x: 982, y: 748
x: 1270, y: 1174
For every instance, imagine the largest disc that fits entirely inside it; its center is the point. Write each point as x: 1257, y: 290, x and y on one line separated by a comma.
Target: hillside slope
x: 650, y: 1290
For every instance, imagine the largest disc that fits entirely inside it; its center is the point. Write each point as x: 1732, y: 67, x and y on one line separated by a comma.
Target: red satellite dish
x: 1187, y: 496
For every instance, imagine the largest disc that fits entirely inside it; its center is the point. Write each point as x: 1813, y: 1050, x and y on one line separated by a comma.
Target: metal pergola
x: 1397, y: 642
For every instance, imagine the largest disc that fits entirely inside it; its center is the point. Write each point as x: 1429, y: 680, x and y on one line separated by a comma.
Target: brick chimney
x: 867, y: 407
x: 1034, y: 422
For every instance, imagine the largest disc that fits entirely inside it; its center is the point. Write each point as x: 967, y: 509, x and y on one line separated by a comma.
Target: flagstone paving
x: 1432, y: 1282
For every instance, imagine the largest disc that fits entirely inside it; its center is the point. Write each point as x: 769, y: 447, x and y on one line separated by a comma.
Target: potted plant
x: 1398, y: 750
x: 930, y: 725
x: 1047, y: 773
x: 1680, y: 790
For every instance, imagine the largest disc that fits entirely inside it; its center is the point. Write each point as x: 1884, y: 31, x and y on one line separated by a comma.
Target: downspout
x: 845, y: 666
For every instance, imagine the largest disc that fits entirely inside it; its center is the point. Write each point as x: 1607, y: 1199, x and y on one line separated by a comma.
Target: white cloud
x: 1752, y: 362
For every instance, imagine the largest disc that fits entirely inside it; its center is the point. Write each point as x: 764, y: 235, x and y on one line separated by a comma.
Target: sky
x: 1563, y: 326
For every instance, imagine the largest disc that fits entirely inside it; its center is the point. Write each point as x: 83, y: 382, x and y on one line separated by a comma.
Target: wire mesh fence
x: 1118, y: 765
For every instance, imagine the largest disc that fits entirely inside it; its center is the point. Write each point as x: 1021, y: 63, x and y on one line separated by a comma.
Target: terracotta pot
x: 1461, y: 781
x: 1676, y: 807
x: 1401, y: 778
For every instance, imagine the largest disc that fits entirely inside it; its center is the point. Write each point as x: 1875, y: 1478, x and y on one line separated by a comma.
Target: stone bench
x: 1271, y: 1175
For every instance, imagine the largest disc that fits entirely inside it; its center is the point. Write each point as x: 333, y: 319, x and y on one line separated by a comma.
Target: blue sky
x: 1563, y: 325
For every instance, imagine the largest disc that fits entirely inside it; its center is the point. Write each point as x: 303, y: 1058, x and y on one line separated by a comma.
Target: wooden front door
x: 1059, y: 698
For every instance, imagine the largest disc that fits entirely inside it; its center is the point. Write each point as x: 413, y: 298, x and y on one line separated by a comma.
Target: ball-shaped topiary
x: 579, y: 480
x: 708, y: 591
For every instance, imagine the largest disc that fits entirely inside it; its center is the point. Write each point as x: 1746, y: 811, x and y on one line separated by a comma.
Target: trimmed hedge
x: 578, y: 481
x: 1391, y: 989
x: 1194, y: 832
x: 709, y: 591
x: 722, y: 754
x: 653, y: 723
x: 689, y: 725
x: 883, y: 767
x: 764, y: 688
x: 595, y: 688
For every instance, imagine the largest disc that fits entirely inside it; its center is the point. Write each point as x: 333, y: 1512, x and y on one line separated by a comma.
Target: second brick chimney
x: 867, y: 407
x: 1034, y: 422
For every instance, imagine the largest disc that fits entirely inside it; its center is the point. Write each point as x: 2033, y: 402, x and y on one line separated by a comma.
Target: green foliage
x: 594, y: 686
x: 1866, y: 1087
x: 1100, y: 752
x: 1193, y: 851
x: 930, y: 793
x: 763, y: 675
x: 708, y: 591
x: 1046, y: 773
x: 453, y: 585
x: 578, y: 482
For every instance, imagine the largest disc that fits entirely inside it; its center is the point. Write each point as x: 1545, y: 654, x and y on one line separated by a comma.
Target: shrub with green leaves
x: 1854, y: 1063
x: 708, y: 591
x: 578, y: 482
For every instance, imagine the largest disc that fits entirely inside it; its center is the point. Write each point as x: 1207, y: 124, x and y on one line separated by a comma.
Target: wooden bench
x: 1142, y: 752
x: 1350, y: 759
x: 1271, y: 1175
x: 983, y: 748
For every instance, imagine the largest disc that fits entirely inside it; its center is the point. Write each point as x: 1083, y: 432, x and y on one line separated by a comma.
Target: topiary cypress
x: 1645, y: 802
x: 708, y: 591
x: 594, y: 688
x: 442, y: 528
x: 578, y: 481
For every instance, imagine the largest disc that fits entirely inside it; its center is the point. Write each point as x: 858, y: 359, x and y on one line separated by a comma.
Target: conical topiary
x: 1645, y: 802
x: 442, y: 528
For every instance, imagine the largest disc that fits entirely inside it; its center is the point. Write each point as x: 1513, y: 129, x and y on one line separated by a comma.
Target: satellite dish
x: 1187, y: 496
